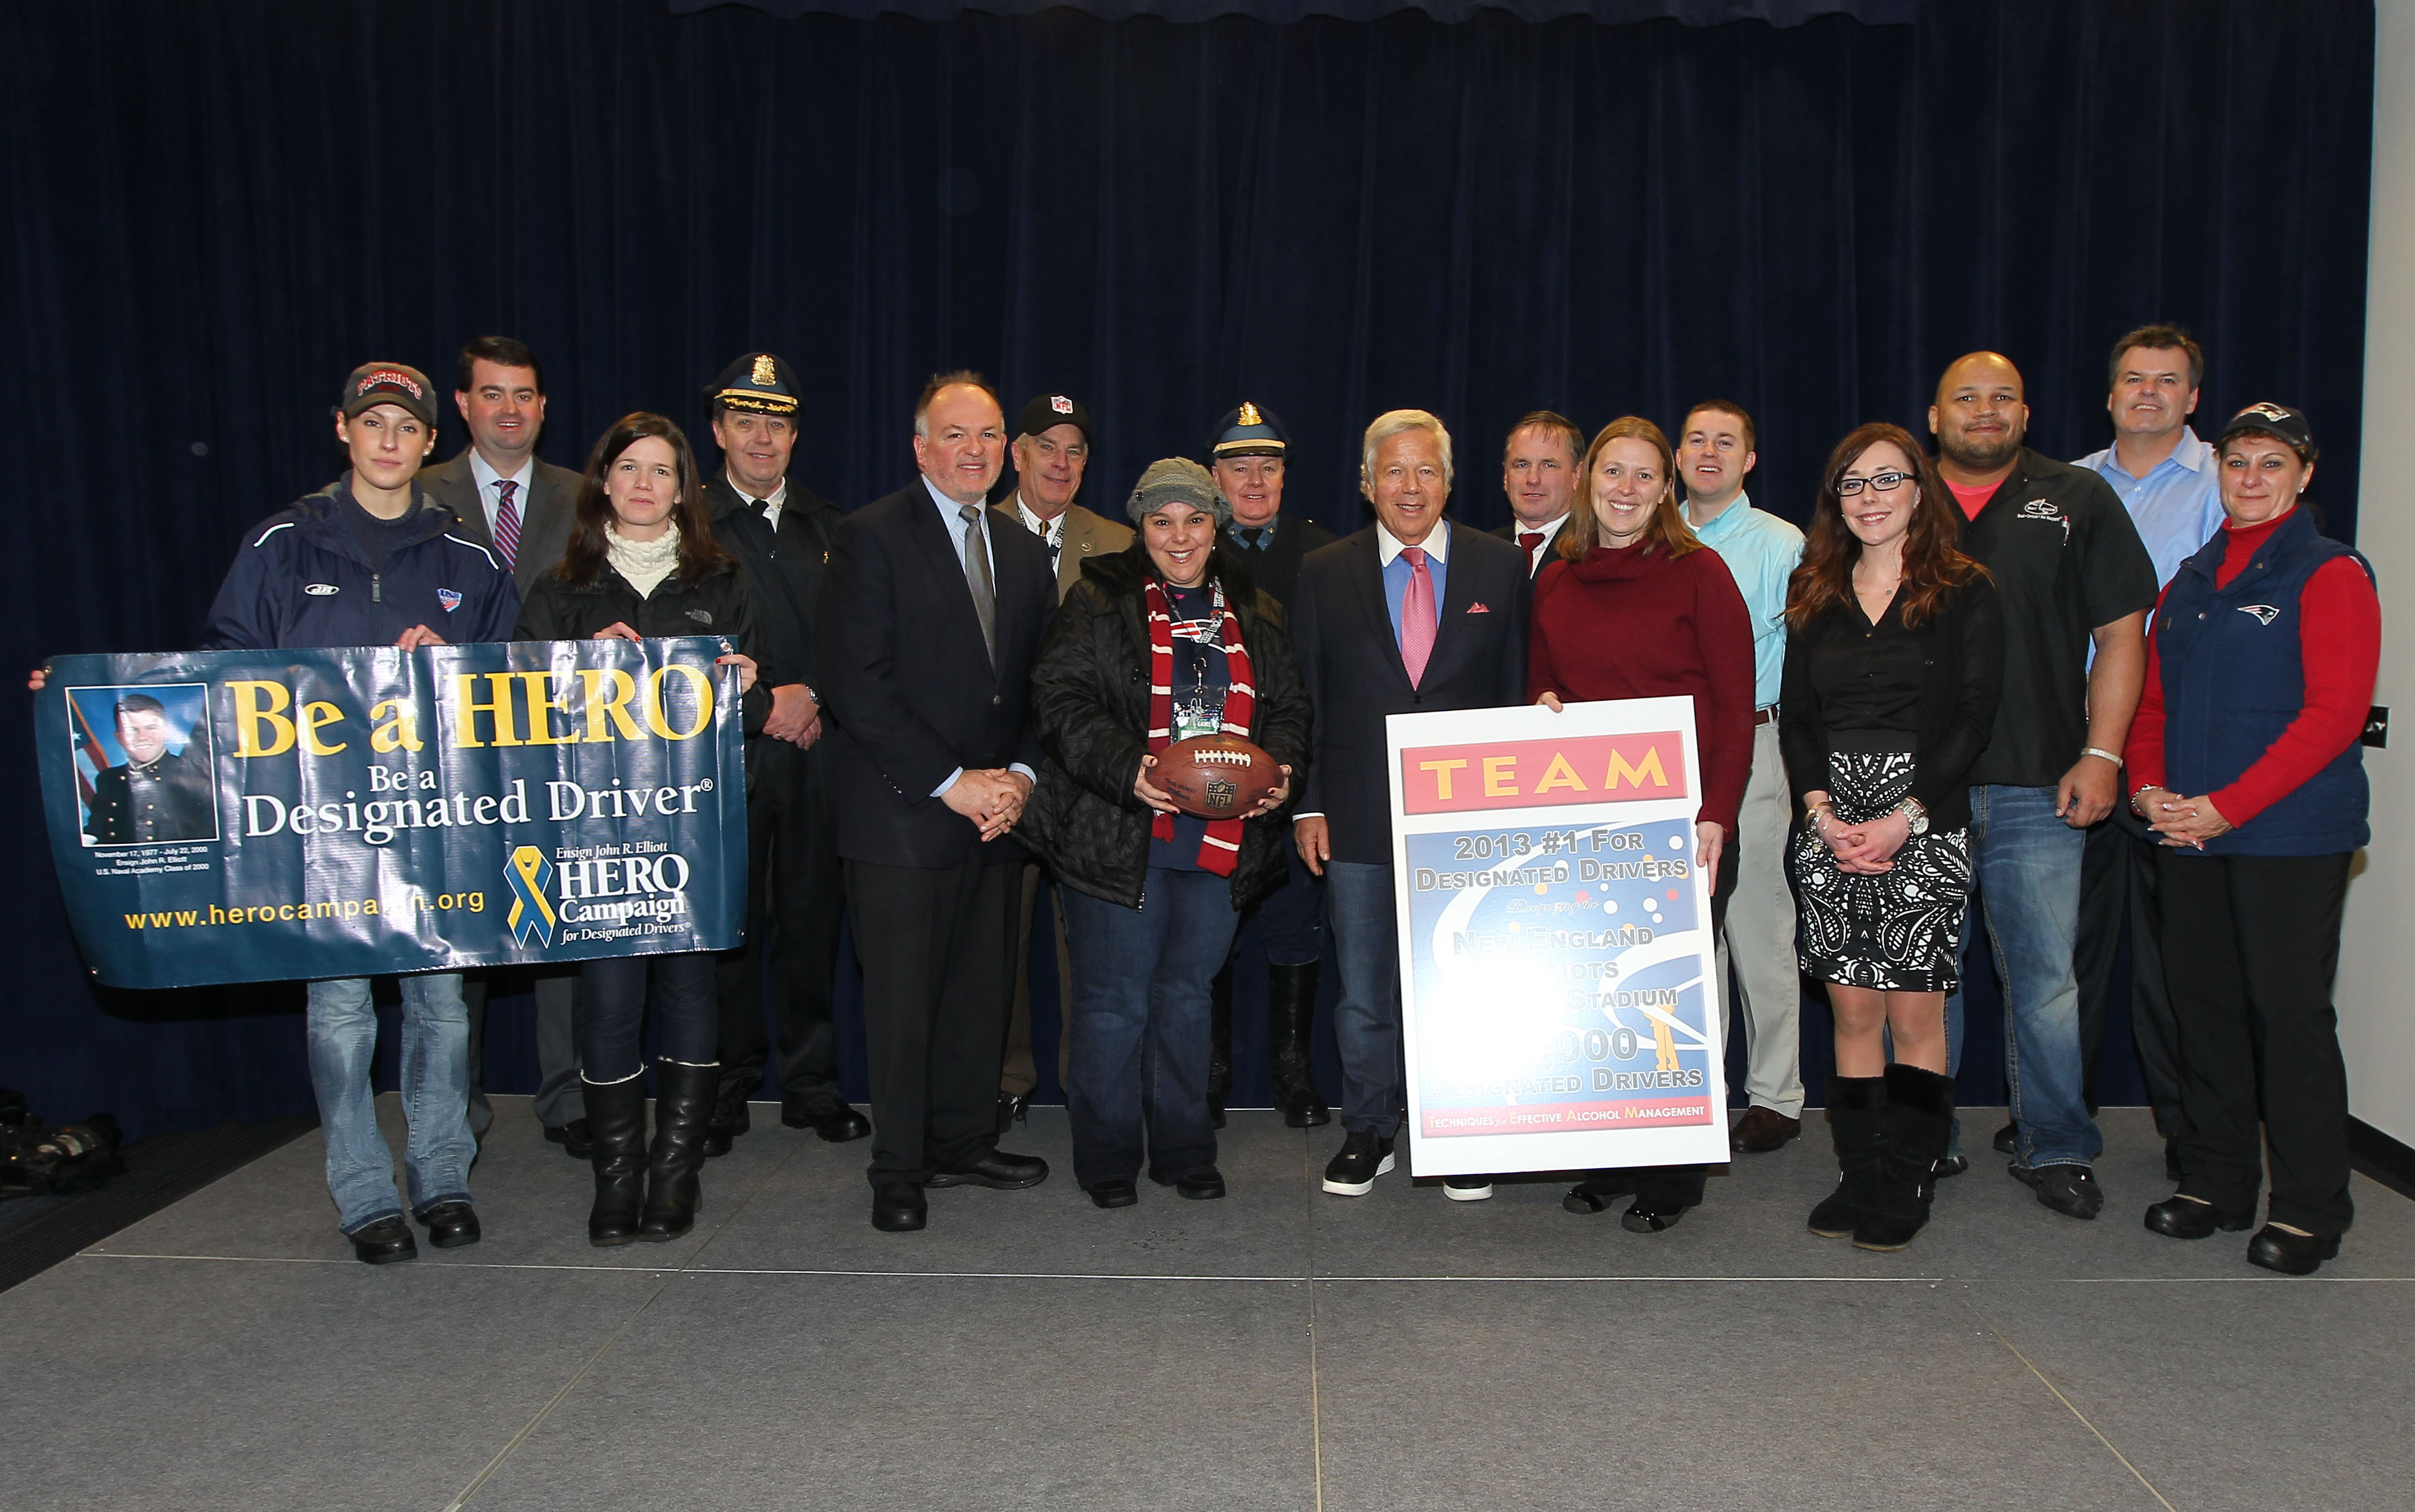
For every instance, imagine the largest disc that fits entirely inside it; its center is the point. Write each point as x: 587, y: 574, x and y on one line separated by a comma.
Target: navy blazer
x: 1342, y: 628
x: 906, y: 684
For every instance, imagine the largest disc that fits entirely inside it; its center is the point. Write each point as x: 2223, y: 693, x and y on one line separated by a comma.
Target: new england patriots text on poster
x: 225, y: 817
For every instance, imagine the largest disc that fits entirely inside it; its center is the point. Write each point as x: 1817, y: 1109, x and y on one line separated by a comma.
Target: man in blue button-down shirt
x: 1715, y: 452
x: 2166, y: 478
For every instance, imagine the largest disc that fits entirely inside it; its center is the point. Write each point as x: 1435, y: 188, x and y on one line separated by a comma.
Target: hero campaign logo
x: 605, y: 891
x: 527, y: 874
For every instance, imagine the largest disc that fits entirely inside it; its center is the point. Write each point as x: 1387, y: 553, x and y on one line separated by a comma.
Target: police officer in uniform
x: 158, y: 794
x: 780, y: 532
x: 1248, y: 450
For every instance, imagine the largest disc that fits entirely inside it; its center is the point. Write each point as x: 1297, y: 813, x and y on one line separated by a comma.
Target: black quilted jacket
x: 1090, y: 698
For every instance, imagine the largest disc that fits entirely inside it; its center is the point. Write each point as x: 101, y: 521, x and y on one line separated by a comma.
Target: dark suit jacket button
x: 995, y: 698
x: 1417, y: 698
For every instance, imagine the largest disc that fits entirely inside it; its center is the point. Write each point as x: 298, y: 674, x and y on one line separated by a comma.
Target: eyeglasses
x: 1879, y: 481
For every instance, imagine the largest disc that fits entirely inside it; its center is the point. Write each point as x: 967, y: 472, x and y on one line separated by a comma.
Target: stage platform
x: 1280, y: 1349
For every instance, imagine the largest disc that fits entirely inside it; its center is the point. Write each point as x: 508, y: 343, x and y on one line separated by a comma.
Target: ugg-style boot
x: 684, y: 1096
x: 1919, y: 1118
x: 1858, y: 1123
x: 616, y: 1115
x: 1291, y: 1008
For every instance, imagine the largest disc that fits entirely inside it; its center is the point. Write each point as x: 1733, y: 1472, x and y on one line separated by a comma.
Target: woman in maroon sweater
x: 1636, y: 608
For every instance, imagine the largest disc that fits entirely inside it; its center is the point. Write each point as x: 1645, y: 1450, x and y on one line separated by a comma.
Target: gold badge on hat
x: 764, y: 372
x: 1249, y: 415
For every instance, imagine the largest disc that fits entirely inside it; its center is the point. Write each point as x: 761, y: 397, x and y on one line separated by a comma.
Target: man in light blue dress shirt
x: 2166, y: 478
x: 1715, y: 452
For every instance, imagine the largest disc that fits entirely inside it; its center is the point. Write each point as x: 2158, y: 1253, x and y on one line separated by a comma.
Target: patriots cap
x: 758, y: 383
x: 1044, y: 412
x: 2281, y: 422
x: 374, y: 384
x: 1249, y: 430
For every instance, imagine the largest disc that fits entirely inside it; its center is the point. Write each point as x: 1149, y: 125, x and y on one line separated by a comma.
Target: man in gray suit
x: 521, y: 508
x: 1052, y: 447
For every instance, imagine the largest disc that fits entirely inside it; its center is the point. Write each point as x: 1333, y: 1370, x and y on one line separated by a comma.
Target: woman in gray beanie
x: 1156, y: 644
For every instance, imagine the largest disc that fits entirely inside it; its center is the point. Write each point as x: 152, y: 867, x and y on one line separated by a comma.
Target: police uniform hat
x: 2282, y: 422
x: 757, y: 384
x: 1249, y: 430
x: 1044, y: 412
x: 374, y: 384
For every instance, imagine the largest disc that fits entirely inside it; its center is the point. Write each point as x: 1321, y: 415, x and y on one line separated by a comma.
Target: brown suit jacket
x: 1087, y: 535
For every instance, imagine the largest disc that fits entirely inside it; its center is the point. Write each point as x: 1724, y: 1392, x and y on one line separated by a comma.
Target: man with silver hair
x: 1411, y: 615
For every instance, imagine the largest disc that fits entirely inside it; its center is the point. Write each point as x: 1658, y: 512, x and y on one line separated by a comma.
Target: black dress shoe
x: 577, y: 1139
x: 996, y: 1170
x: 451, y: 1225
x: 2190, y: 1218
x: 383, y: 1242
x: 2291, y: 1254
x: 730, y: 1118
x: 2069, y: 1189
x: 1204, y: 1184
x: 2005, y: 1137
x: 1113, y: 1193
x: 899, y: 1207
x: 1950, y: 1165
x: 1594, y: 1193
x: 1013, y: 1108
x: 1652, y: 1214
x: 840, y: 1123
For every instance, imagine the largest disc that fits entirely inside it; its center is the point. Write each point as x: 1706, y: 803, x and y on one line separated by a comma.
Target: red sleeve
x: 1723, y: 631
x: 2339, y: 640
x: 2142, y: 758
x: 1541, y: 676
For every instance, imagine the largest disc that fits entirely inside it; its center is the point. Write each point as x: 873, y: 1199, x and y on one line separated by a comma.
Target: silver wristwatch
x: 1917, y: 813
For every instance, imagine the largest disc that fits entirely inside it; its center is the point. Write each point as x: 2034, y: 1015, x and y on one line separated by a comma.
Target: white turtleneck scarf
x: 644, y: 563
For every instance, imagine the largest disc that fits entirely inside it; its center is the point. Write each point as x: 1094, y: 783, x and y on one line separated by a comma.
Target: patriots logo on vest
x: 2265, y: 613
x: 450, y: 599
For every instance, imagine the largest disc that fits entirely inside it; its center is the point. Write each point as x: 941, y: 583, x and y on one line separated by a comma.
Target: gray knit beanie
x: 1177, y: 479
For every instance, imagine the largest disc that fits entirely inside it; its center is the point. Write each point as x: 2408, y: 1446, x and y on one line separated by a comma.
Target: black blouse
x: 1937, y: 683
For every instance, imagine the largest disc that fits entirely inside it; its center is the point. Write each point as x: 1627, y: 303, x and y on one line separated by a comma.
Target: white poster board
x: 1560, y: 998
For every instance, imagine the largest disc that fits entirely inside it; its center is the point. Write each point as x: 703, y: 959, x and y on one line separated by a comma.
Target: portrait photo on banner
x: 142, y: 763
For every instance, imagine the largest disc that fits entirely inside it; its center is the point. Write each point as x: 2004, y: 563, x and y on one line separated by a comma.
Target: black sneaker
x: 1467, y: 1188
x: 2069, y: 1189
x: 1363, y: 1158
x: 2005, y: 1138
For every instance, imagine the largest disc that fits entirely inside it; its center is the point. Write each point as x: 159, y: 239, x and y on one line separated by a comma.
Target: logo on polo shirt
x: 2264, y: 613
x: 2047, y: 510
x: 450, y: 599
x: 321, y: 590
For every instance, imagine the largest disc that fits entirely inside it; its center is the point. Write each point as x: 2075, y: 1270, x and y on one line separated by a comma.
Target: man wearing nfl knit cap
x: 779, y: 530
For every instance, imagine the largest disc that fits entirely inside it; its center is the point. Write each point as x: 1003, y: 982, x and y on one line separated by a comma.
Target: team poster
x: 270, y: 815
x: 1558, y: 976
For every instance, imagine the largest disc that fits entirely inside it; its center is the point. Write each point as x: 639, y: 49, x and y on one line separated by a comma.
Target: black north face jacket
x: 1090, y: 698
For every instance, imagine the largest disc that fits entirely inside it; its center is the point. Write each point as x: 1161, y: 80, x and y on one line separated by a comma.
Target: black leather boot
x: 1220, y: 1042
x: 1291, y: 1008
x: 1919, y: 1118
x: 1858, y: 1123
x: 616, y: 1115
x: 684, y: 1097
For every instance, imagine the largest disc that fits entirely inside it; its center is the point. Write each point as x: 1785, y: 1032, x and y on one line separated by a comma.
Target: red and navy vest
x: 2233, y: 675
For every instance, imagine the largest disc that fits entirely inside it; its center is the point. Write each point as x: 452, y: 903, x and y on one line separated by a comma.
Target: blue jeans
x: 1360, y: 912
x: 2028, y: 866
x: 1139, y: 1058
x: 613, y: 1012
x: 1293, y: 915
x: 435, y: 1095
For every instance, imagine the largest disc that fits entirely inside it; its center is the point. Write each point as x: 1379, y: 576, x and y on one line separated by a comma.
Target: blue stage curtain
x: 215, y: 211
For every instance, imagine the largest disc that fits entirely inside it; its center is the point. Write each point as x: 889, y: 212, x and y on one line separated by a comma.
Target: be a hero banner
x: 225, y: 817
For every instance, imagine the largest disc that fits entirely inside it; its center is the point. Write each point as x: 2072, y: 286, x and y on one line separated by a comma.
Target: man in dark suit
x: 929, y: 622
x: 1539, y: 473
x: 521, y: 508
x: 1411, y: 615
x: 780, y: 532
x: 1248, y: 449
x: 1052, y: 451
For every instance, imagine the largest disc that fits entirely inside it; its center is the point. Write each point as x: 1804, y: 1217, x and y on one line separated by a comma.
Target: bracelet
x: 2100, y: 754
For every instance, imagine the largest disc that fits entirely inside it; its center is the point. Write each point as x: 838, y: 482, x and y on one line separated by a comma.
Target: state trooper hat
x: 1249, y: 430
x: 2281, y: 422
x: 1044, y: 412
x: 758, y: 383
x: 374, y: 384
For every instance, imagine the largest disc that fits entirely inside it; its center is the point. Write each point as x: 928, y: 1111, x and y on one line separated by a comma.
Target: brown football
x: 1216, y: 776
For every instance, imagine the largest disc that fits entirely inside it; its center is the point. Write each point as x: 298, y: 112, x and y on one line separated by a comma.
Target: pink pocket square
x: 1477, y: 608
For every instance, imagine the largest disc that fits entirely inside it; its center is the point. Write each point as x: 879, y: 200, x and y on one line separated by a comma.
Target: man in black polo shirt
x: 2072, y: 574
x: 779, y: 530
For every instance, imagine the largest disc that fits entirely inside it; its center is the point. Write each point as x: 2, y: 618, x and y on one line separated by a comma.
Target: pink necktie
x: 507, y: 523
x: 1417, y: 616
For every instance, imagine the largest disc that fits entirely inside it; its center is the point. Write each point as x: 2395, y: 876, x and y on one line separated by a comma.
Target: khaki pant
x: 1760, y: 936
x: 1017, y: 1073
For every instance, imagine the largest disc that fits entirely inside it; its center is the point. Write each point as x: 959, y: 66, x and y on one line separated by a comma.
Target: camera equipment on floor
x: 36, y: 1158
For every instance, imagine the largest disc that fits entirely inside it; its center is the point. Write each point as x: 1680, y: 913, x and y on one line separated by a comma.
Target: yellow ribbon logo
x: 532, y: 913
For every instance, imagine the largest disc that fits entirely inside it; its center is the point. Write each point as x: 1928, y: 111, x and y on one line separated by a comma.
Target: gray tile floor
x: 1280, y: 1349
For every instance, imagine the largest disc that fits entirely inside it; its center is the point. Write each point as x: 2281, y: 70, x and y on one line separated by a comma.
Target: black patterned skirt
x: 1900, y: 931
